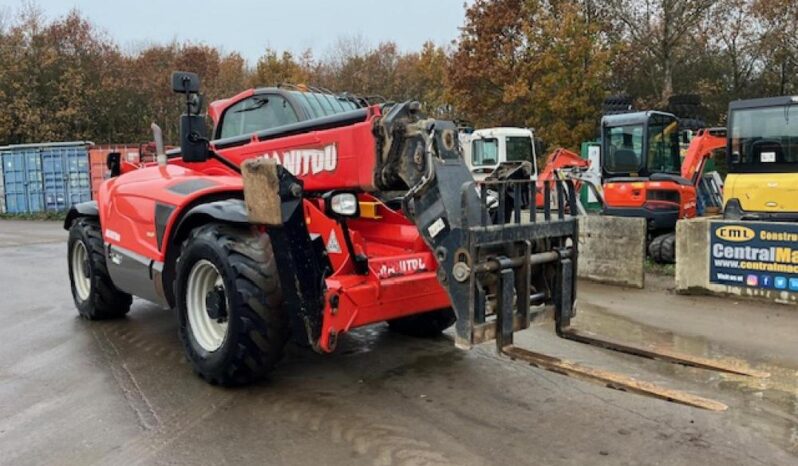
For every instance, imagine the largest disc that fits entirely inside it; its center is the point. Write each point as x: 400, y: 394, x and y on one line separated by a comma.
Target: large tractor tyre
x: 663, y: 249
x: 685, y: 99
x: 426, y: 325
x: 93, y: 291
x: 229, y: 302
x: 693, y: 124
x: 687, y: 106
x: 622, y: 103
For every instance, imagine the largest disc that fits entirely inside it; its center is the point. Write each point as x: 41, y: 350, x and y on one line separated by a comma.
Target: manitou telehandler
x: 279, y: 228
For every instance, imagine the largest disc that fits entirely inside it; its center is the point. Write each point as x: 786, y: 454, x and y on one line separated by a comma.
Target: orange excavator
x: 643, y: 173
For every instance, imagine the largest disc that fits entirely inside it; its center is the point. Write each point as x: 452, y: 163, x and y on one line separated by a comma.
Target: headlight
x: 343, y: 204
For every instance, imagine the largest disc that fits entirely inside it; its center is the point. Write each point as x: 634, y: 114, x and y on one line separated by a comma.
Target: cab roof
x: 764, y: 102
x: 623, y: 119
x: 503, y: 131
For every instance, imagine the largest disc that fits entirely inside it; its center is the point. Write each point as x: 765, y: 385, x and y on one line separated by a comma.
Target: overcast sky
x: 249, y: 26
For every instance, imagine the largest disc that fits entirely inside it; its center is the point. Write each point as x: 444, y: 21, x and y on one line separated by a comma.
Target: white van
x: 485, y: 149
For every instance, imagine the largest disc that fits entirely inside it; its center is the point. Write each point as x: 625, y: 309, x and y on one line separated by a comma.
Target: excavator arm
x: 701, y: 148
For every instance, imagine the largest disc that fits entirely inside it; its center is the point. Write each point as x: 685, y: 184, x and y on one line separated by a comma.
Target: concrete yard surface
x: 74, y: 392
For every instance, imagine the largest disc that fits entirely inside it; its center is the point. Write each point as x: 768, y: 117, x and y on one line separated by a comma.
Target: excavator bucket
x: 501, y: 259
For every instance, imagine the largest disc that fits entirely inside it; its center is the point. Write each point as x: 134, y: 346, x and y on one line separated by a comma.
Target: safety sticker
x: 112, y: 235
x: 332, y: 243
x: 768, y: 157
x: 436, y: 227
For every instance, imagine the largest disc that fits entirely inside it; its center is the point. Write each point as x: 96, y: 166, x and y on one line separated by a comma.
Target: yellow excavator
x: 762, y: 155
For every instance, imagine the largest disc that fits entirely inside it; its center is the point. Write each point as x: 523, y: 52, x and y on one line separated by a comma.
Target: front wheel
x: 93, y: 291
x: 229, y: 302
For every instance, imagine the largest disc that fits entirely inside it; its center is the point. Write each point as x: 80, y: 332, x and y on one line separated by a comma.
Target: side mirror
x: 195, y: 104
x: 193, y: 138
x: 114, y: 164
x: 185, y: 82
x: 194, y: 144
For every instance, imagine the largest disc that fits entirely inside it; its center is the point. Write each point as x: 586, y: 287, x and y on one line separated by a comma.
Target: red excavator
x: 643, y: 173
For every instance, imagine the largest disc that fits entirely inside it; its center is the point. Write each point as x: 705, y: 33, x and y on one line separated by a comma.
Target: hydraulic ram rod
x: 494, y: 265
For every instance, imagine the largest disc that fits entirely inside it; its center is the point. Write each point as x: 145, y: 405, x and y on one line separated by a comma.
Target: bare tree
x: 660, y: 29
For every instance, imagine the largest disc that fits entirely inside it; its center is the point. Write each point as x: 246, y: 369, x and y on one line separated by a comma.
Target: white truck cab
x: 484, y: 149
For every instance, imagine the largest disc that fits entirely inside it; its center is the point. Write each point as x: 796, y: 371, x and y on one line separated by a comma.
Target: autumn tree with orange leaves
x: 534, y: 64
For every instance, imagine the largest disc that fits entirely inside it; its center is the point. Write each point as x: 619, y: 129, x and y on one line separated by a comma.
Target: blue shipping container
x: 2, y: 190
x: 45, y: 177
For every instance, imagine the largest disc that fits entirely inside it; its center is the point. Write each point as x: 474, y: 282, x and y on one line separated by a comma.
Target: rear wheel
x: 426, y: 325
x: 93, y: 291
x: 230, y: 305
x: 663, y: 249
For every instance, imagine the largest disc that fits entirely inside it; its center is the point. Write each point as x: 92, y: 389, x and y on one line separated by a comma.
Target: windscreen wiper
x: 259, y: 103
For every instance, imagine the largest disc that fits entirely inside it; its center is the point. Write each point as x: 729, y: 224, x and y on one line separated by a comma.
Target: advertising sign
x: 756, y: 255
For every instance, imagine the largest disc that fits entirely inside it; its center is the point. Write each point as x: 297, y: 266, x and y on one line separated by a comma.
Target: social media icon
x: 766, y: 281
x: 752, y: 280
x: 780, y: 283
x: 794, y: 284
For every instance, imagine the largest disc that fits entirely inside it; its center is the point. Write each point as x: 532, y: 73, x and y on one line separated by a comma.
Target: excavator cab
x: 641, y: 168
x: 640, y: 144
x: 762, y: 153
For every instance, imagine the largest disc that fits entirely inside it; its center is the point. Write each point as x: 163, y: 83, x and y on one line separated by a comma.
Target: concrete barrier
x: 612, y: 250
x: 693, y: 262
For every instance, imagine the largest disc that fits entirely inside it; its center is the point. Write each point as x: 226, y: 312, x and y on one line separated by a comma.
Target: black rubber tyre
x: 257, y: 327
x: 103, y: 300
x: 685, y: 99
x: 426, y: 325
x: 693, y: 124
x: 663, y: 249
x: 616, y: 104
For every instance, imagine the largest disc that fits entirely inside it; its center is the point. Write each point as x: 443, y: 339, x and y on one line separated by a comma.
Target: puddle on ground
x: 767, y: 405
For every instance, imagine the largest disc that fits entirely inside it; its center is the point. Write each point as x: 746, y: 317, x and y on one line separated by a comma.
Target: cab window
x: 519, y: 148
x: 255, y: 114
x: 485, y: 152
x: 663, y: 145
x: 625, y: 152
x: 765, y: 136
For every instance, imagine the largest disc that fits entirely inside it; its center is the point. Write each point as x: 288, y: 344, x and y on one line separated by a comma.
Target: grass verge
x: 662, y: 269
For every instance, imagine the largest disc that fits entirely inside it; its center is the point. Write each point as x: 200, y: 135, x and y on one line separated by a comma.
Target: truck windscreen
x: 519, y: 148
x: 764, y: 139
x: 485, y: 151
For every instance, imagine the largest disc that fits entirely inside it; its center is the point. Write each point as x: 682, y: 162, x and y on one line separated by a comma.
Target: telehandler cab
x: 280, y: 227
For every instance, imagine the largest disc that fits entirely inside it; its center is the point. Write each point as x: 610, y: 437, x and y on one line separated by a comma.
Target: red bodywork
x: 401, y: 279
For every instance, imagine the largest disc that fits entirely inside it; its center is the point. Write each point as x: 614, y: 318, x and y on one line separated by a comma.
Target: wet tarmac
x: 77, y: 392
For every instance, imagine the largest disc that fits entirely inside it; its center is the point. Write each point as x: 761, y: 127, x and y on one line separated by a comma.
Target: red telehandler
x: 278, y: 226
